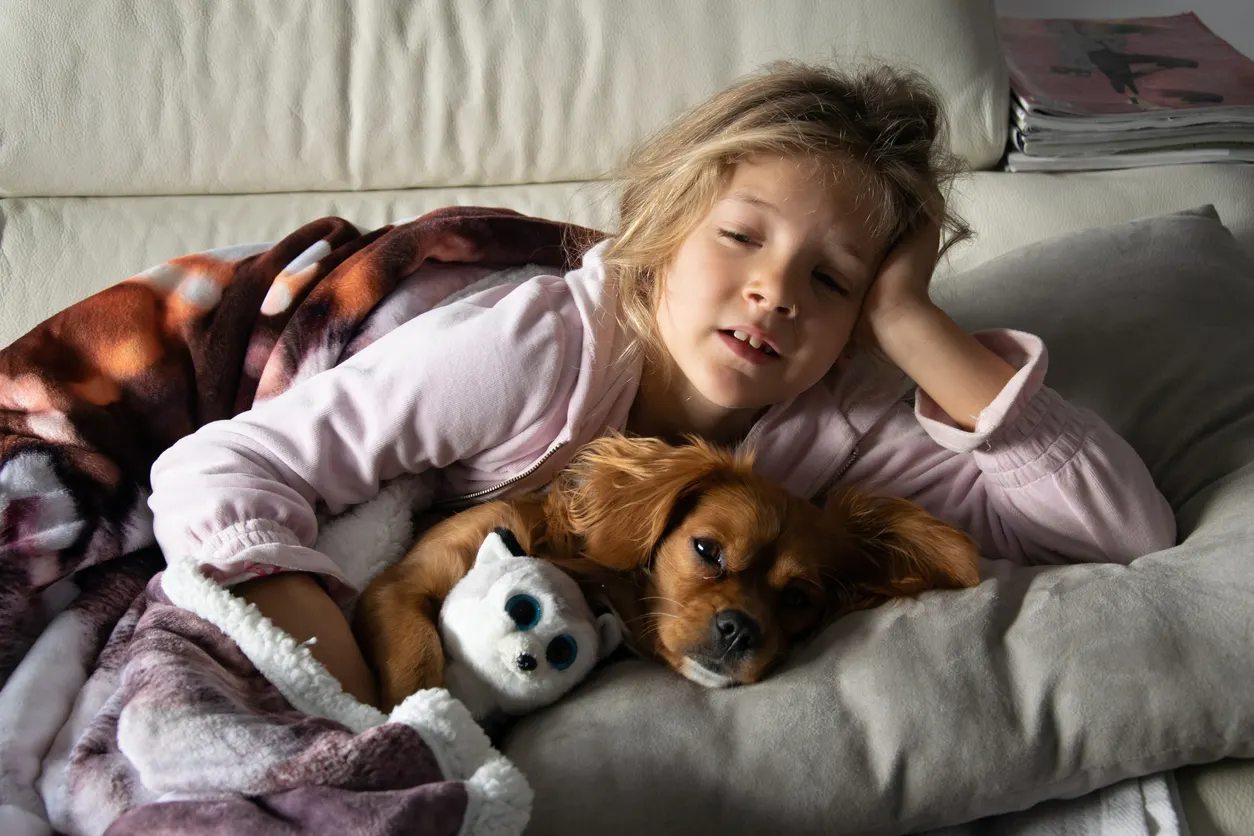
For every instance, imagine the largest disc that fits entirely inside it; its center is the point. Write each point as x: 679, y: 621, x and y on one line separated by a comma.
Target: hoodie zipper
x: 844, y: 468
x: 456, y: 500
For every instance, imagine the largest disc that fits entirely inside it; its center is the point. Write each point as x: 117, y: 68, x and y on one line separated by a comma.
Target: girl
x: 775, y: 247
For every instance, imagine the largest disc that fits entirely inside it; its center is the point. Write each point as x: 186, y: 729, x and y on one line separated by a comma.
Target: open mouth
x: 749, y: 347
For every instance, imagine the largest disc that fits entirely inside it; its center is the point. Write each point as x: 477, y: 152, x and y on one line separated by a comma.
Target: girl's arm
x: 1037, y: 481
x: 301, y: 608
x: 241, y: 494
x: 438, y: 390
x: 952, y: 367
x: 990, y: 448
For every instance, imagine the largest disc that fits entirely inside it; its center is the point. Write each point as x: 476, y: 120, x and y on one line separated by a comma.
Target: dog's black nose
x: 526, y: 662
x: 735, y: 633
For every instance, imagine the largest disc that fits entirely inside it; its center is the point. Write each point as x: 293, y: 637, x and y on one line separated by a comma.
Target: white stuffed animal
x: 518, y: 632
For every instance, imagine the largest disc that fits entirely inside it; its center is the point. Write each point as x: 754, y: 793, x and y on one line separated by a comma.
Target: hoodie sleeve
x: 238, y: 496
x: 1038, y: 479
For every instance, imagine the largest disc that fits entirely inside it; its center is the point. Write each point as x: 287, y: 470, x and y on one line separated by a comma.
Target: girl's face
x: 762, y: 296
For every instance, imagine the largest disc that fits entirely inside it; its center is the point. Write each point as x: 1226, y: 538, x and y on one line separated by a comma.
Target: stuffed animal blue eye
x: 524, y: 610
x: 561, y: 652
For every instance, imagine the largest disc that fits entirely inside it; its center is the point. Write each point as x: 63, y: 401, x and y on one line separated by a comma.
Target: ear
x: 511, y: 542
x: 496, y: 547
x: 610, y: 633
x: 619, y: 494
x: 901, y: 549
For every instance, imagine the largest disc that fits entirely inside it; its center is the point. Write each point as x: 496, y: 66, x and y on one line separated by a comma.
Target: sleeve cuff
x: 1024, y: 352
x: 1026, y: 432
x: 255, y: 548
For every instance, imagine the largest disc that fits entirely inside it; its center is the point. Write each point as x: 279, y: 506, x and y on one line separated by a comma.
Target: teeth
x: 752, y: 341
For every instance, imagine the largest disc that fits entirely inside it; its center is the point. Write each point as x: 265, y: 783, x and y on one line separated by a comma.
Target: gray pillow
x: 1042, y: 682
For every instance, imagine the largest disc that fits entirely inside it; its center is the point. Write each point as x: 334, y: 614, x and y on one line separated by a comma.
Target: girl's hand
x: 899, y: 292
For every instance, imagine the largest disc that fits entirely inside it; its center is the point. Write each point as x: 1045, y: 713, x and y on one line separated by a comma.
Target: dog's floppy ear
x: 619, y: 494
x: 898, y: 548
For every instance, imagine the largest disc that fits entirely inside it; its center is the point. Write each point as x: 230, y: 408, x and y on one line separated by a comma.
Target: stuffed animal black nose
x: 526, y: 662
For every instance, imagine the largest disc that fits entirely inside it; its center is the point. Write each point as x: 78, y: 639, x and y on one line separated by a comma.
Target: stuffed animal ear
x: 610, y: 633
x: 498, y: 545
x: 898, y: 548
x: 620, y: 494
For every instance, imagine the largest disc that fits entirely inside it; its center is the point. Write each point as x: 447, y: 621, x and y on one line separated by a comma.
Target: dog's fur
x: 714, y: 569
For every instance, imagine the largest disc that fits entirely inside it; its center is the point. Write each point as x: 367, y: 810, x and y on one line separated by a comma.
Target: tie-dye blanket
x: 122, y: 711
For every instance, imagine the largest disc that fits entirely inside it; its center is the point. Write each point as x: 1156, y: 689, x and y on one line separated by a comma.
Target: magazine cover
x: 1126, y: 66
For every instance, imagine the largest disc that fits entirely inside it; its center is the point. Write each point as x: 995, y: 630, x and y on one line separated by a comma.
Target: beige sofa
x: 134, y: 132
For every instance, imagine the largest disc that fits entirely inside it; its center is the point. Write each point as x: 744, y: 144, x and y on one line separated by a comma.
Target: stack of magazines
x: 1100, y: 94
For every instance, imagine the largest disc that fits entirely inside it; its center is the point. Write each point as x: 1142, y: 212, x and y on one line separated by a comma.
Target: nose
x: 734, y: 633
x: 526, y: 662
x: 769, y: 288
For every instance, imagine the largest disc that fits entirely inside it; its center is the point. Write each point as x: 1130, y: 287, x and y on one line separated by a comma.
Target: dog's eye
x: 708, y: 550
x: 793, y: 598
x: 561, y: 652
x: 524, y: 611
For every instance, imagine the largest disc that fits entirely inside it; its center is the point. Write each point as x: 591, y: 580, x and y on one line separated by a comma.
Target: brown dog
x: 715, y: 569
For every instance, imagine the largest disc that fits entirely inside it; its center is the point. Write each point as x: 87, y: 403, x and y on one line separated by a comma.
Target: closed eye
x: 738, y: 237
x: 831, y: 283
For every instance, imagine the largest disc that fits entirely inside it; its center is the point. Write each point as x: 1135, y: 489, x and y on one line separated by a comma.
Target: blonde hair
x: 886, y: 122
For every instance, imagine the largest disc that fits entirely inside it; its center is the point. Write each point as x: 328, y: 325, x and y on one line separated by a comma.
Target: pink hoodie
x: 496, y: 392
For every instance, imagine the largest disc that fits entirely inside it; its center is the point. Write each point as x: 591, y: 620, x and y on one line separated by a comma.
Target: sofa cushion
x: 1040, y: 683
x: 123, y: 98
x: 1011, y: 210
x: 55, y: 251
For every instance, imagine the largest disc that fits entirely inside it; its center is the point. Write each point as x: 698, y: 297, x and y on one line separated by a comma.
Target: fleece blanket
x: 138, y: 702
